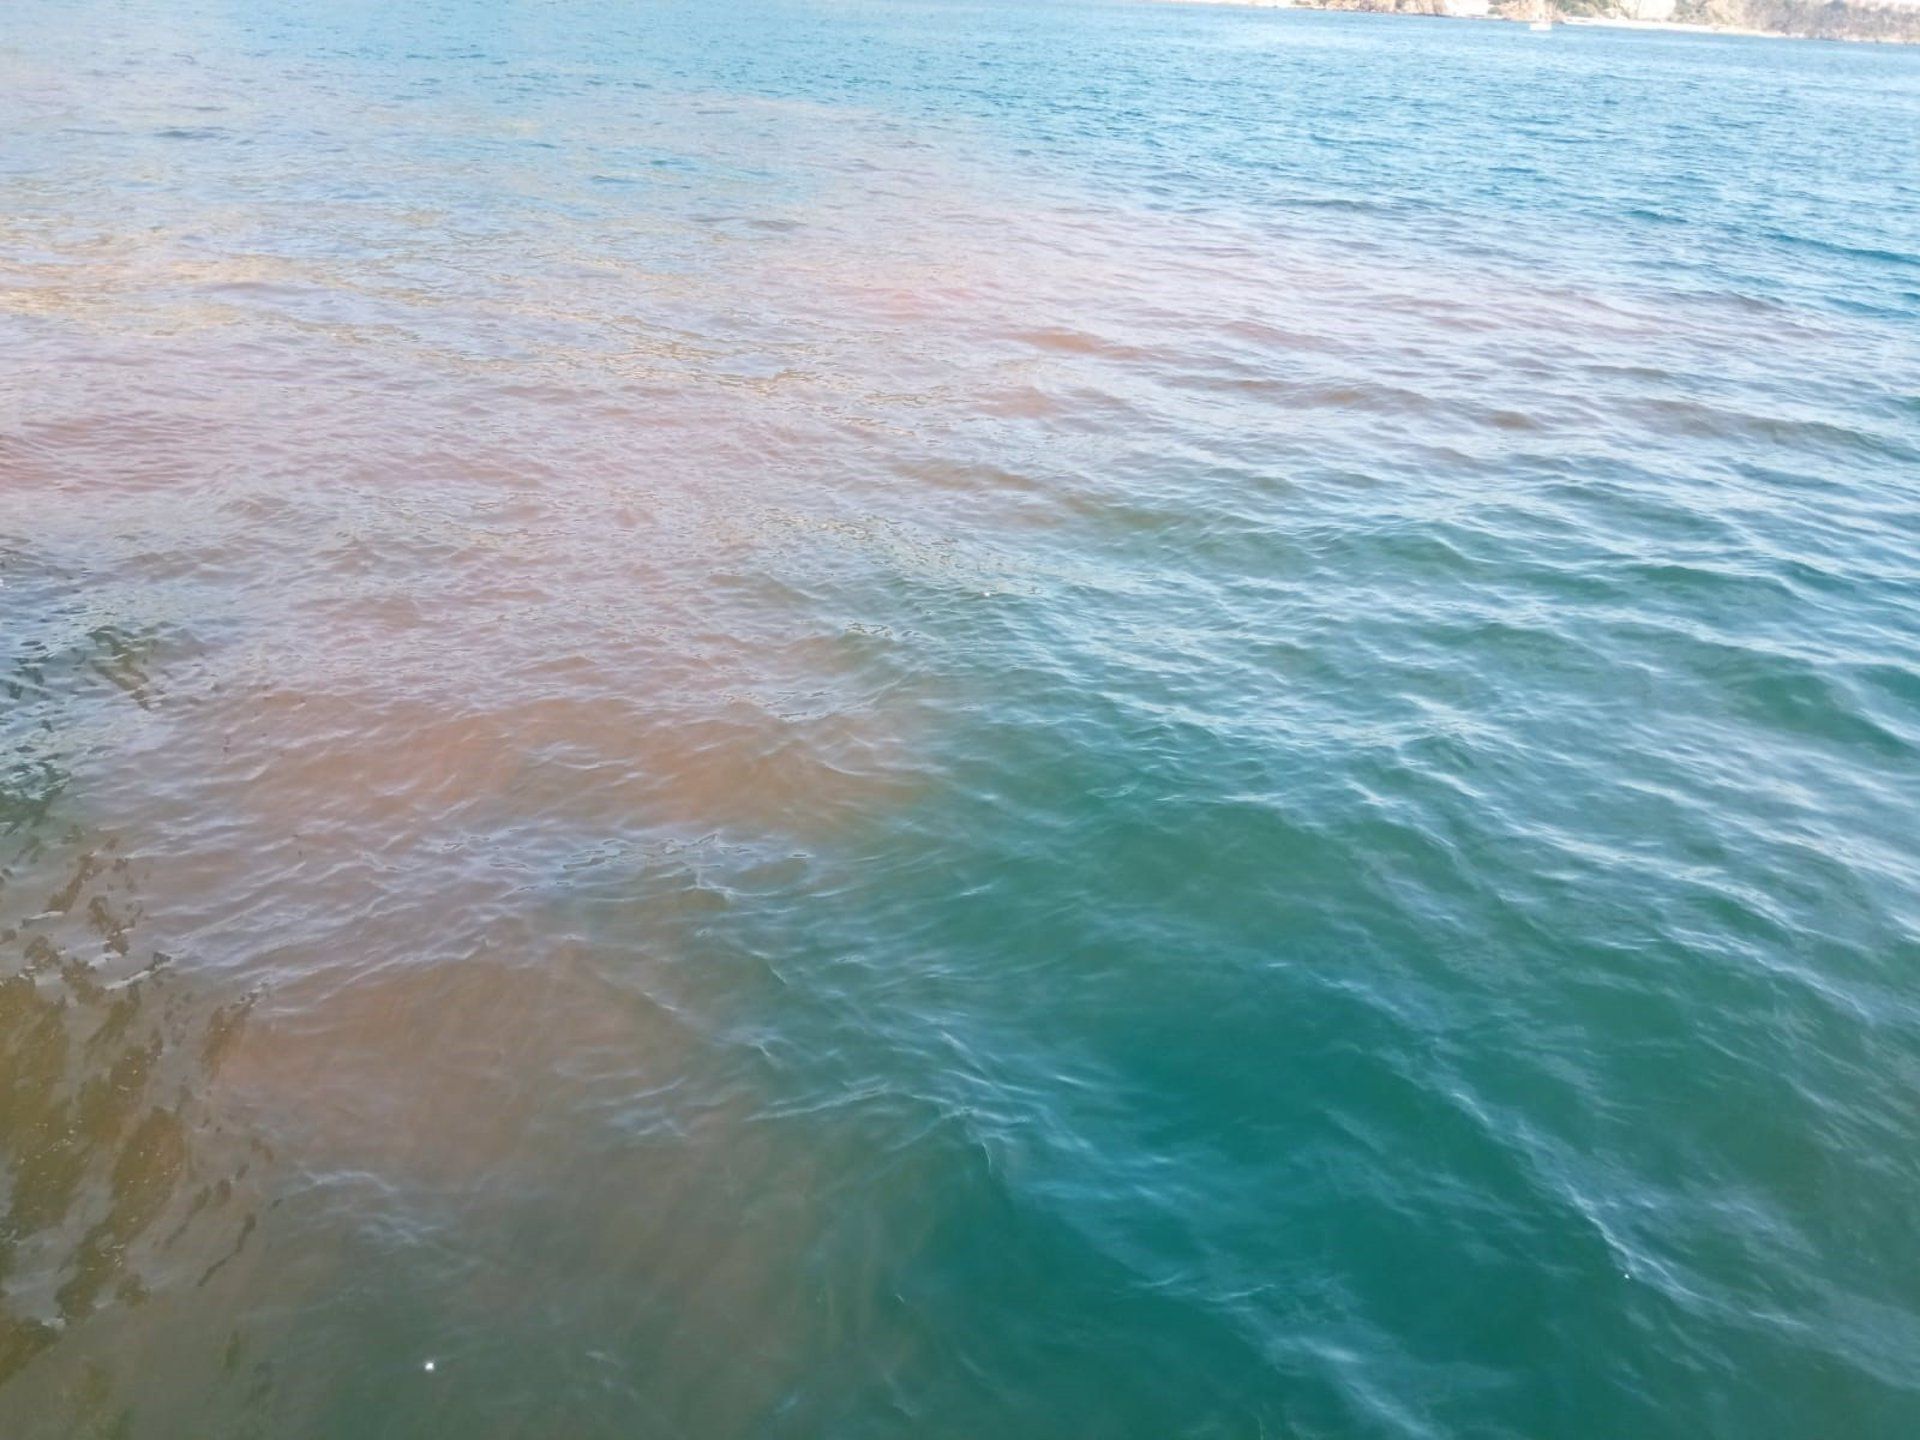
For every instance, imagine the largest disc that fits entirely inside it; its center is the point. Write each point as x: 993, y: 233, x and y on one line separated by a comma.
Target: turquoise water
x: 867, y: 719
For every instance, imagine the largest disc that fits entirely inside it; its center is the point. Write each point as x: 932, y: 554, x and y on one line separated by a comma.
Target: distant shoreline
x: 1604, y: 22
x: 1685, y: 27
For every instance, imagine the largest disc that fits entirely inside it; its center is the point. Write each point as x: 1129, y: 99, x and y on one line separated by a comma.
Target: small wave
x: 1843, y: 250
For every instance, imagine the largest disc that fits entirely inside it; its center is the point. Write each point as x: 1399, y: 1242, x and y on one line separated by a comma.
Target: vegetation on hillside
x: 1814, y: 19
x: 1809, y: 19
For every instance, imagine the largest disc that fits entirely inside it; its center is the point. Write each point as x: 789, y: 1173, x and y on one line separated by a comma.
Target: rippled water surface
x: 946, y: 720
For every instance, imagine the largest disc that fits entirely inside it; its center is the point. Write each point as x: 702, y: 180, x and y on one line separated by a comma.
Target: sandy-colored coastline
x: 1610, y: 22
x: 1605, y: 22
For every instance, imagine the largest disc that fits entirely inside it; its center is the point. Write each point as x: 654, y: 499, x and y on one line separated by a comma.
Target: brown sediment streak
x: 366, y: 771
x: 147, y: 1132
x: 119, y: 1176
x: 472, y: 1071
x: 461, y: 1090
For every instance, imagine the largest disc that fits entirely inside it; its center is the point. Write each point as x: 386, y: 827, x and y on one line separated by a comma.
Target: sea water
x: 735, y: 719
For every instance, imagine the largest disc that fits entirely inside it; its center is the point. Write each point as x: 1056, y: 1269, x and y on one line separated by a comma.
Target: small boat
x: 1541, y: 24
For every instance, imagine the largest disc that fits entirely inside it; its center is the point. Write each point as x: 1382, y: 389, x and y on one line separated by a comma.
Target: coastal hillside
x: 1897, y: 23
